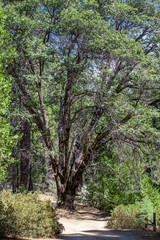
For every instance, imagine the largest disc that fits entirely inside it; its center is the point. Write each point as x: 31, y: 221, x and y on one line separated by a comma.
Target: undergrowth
x: 132, y: 216
x: 25, y: 215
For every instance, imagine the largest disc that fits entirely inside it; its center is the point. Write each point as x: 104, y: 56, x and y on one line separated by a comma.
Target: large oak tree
x: 87, y: 73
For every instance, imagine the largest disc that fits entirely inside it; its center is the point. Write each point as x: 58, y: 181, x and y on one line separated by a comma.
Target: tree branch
x: 81, y: 109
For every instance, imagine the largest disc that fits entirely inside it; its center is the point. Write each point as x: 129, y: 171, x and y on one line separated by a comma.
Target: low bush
x: 25, y: 215
x: 132, y: 216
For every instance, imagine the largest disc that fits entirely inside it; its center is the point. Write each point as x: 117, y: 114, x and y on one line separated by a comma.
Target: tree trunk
x: 25, y: 156
x: 66, y: 199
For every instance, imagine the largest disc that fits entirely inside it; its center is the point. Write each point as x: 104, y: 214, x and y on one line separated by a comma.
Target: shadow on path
x: 103, y: 235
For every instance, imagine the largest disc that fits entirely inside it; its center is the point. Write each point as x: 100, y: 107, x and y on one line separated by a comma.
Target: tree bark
x: 66, y: 199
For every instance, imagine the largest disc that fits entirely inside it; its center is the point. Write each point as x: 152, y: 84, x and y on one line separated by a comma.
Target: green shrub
x: 132, y: 216
x: 153, y: 194
x: 107, y: 197
x: 25, y: 215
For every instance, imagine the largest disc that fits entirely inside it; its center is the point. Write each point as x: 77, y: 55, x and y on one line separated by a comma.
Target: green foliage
x: 151, y: 190
x: 114, y: 181
x: 7, y: 140
x: 132, y: 216
x: 25, y: 215
x: 123, y: 176
x: 109, y: 194
x: 87, y: 71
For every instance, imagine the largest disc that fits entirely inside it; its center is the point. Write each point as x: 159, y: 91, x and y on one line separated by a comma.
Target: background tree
x: 30, y: 171
x: 123, y: 175
x: 87, y: 72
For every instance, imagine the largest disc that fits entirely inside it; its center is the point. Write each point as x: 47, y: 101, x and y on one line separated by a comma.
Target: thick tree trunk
x: 67, y: 198
x: 25, y: 156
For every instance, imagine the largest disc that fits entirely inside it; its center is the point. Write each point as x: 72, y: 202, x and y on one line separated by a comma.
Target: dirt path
x: 90, y: 224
